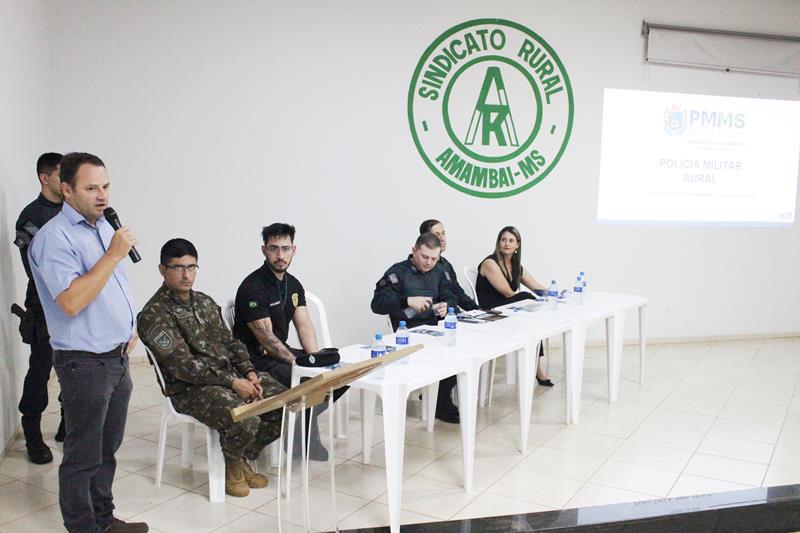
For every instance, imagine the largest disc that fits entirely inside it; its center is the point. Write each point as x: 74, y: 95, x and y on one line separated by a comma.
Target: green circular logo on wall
x: 490, y: 108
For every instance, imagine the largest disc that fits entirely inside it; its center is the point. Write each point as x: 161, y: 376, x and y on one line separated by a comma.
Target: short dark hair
x: 428, y: 239
x: 47, y: 163
x: 426, y: 226
x: 277, y: 229
x: 175, y: 248
x: 72, y: 161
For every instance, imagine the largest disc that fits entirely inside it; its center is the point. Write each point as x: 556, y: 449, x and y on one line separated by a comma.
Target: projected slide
x: 686, y: 158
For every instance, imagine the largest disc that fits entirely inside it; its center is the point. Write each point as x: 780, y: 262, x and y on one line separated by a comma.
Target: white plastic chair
x: 316, y: 310
x: 216, y: 461
x: 229, y: 313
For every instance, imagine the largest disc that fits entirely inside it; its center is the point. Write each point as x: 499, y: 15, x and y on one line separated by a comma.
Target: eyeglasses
x: 182, y: 268
x: 273, y: 249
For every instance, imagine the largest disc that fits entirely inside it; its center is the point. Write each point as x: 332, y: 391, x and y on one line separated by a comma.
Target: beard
x: 279, y: 266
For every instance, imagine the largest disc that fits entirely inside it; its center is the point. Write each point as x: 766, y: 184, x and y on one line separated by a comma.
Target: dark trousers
x: 282, y: 372
x: 95, y: 392
x: 34, y: 389
x: 445, y: 390
x: 211, y: 405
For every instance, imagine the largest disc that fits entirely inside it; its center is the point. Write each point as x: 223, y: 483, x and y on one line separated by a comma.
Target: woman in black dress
x: 499, y: 278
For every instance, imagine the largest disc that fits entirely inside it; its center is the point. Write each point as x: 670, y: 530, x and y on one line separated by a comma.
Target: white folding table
x: 394, y: 384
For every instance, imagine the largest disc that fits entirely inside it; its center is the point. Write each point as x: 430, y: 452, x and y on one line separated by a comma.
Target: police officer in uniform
x: 206, y: 371
x: 437, y: 228
x: 418, y: 291
x: 267, y: 301
x: 32, y: 326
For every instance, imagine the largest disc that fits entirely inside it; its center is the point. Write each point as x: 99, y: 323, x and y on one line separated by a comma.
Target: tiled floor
x: 711, y: 417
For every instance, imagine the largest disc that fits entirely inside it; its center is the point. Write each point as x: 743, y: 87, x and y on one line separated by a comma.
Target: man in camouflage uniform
x: 206, y: 371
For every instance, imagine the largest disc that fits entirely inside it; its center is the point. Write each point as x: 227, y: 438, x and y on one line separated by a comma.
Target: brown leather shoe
x: 235, y: 484
x: 254, y: 480
x: 118, y: 526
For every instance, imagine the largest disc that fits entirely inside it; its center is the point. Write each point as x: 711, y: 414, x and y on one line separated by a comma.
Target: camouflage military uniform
x: 200, y: 359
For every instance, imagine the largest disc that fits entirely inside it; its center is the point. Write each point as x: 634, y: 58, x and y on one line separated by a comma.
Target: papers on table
x: 425, y: 331
x: 479, y: 316
x: 526, y: 308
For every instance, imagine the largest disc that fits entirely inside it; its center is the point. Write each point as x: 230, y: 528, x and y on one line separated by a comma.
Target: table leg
x: 432, y: 393
x: 575, y: 371
x: 468, y: 408
x: 511, y: 371
x: 367, y: 423
x: 394, y: 427
x: 483, y: 383
x: 528, y: 361
x: 642, y: 341
x: 615, y: 363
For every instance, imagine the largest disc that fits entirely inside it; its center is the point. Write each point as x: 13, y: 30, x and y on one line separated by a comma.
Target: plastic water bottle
x: 450, y: 322
x: 378, y: 348
x: 585, y: 284
x: 401, y: 335
x: 552, y: 295
x: 577, y: 291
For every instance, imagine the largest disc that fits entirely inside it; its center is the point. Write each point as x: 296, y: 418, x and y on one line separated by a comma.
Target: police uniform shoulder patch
x: 393, y: 278
x: 295, y: 299
x: 447, y: 275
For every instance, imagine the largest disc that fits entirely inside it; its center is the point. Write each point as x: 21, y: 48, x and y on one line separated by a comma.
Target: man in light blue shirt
x: 75, y: 261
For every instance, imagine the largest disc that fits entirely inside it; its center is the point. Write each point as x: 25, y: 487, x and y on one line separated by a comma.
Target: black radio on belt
x: 324, y: 357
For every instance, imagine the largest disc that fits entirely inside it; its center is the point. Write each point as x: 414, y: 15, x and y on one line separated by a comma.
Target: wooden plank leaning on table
x: 315, y: 389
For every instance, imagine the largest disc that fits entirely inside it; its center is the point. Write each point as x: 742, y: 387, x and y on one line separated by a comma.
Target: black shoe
x: 61, y: 431
x: 39, y: 453
x: 544, y: 382
x: 448, y: 413
x: 118, y: 526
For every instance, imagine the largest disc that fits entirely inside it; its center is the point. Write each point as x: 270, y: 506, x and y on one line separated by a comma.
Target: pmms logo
x: 490, y: 108
x: 677, y: 119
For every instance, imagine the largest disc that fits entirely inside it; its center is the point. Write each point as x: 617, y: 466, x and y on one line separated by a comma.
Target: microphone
x: 113, y: 218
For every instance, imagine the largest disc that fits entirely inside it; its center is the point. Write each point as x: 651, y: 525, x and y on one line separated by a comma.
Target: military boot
x: 253, y: 479
x: 235, y: 484
x: 38, y: 452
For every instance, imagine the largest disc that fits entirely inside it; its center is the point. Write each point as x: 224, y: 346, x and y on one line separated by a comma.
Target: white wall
x: 26, y: 108
x: 216, y: 118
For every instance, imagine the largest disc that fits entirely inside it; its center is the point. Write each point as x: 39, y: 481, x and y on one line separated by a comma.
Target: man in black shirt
x: 418, y: 291
x: 266, y: 302
x: 437, y: 228
x: 33, y: 327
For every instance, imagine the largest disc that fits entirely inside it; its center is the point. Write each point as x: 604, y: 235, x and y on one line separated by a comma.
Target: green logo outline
x: 410, y: 106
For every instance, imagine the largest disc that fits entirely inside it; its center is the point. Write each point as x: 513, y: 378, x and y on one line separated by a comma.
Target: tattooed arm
x: 262, y: 329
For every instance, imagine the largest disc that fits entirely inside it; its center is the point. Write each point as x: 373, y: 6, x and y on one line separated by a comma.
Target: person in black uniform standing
x: 437, y: 228
x: 418, y: 291
x: 32, y: 326
x: 266, y: 302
